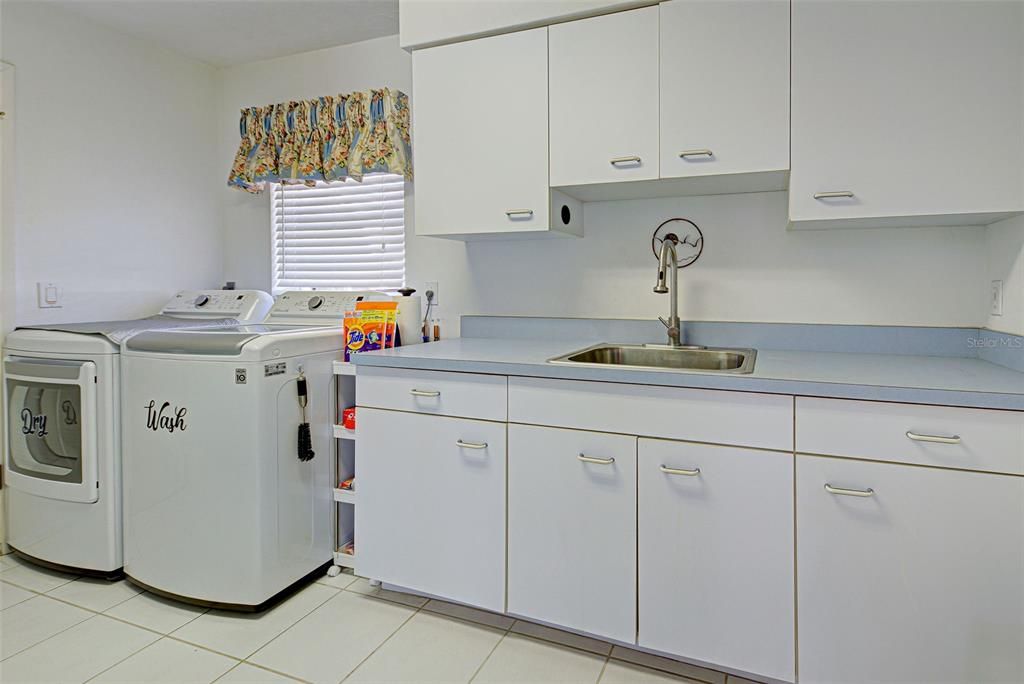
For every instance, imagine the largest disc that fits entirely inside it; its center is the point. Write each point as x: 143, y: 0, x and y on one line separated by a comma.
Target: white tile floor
x: 60, y: 628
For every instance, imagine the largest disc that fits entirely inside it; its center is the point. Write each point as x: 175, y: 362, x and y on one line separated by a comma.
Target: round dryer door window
x: 50, y: 442
x: 45, y: 432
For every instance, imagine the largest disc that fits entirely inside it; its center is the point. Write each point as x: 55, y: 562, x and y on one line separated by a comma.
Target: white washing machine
x: 218, y: 508
x: 62, y: 391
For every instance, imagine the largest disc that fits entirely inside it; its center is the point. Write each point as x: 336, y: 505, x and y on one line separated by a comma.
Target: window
x: 343, y: 235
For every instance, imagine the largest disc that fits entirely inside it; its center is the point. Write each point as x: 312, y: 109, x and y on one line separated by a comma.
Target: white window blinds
x: 343, y: 235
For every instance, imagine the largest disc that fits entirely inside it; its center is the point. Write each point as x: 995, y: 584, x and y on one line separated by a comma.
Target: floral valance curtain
x: 326, y: 139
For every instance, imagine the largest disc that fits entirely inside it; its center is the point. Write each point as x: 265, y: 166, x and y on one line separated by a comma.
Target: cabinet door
x: 572, y: 529
x: 604, y: 98
x: 431, y: 505
x: 910, y: 108
x: 922, y: 580
x: 724, y: 87
x: 716, y: 555
x: 480, y: 116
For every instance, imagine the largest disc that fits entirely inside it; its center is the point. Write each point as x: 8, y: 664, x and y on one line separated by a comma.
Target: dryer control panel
x: 245, y: 305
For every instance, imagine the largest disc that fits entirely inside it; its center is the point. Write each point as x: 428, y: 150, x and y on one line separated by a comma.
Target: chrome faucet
x: 667, y: 259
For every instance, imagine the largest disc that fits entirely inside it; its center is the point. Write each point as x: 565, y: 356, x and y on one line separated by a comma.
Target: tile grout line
x: 476, y: 672
x: 6, y: 658
x: 290, y: 625
x: 260, y: 667
x: 93, y: 610
x: 159, y: 639
x: 414, y: 613
x: 604, y: 667
x: 270, y: 669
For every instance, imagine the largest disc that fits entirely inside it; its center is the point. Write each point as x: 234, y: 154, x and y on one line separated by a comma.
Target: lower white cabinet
x: 432, y: 505
x: 908, y: 573
x: 572, y: 529
x: 715, y: 555
x: 809, y: 568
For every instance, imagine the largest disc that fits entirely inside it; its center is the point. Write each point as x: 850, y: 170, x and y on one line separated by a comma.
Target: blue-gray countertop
x: 943, y: 380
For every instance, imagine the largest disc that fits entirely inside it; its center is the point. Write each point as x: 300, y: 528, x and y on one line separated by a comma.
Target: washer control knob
x: 202, y: 300
x: 315, y: 302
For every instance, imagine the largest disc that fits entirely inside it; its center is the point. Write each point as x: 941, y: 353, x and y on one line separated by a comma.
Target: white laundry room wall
x: 1005, y: 241
x: 114, y: 176
x: 752, y: 269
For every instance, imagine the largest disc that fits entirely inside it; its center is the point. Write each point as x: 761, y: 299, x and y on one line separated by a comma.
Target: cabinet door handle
x: 836, y: 194
x: 696, y: 153
x: 633, y: 159
x: 849, y: 492
x: 599, y: 461
x: 470, y: 445
x: 424, y: 393
x: 680, y: 471
x: 516, y: 213
x: 938, y: 439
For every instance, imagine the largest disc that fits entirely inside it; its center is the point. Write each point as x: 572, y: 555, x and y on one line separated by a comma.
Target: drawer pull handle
x: 424, y: 393
x: 680, y: 471
x: 471, y: 445
x: 938, y: 439
x: 516, y: 213
x: 849, y: 492
x: 599, y: 461
x: 696, y: 153
x: 633, y: 159
x: 835, y: 194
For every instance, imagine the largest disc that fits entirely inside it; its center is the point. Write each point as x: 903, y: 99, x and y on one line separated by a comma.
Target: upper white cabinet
x: 725, y: 89
x: 422, y: 23
x: 480, y: 120
x: 906, y: 113
x: 604, y: 98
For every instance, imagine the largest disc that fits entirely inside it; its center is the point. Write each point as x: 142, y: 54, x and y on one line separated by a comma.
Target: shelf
x: 344, y: 496
x: 345, y: 560
x: 342, y: 432
x: 344, y: 368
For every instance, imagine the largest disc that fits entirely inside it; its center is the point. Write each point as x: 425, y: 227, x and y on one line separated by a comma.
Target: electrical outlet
x: 996, y: 304
x: 432, y: 285
x: 48, y: 296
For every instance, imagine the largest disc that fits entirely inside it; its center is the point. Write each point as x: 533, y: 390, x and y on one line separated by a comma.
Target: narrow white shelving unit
x: 341, y: 432
x: 345, y: 467
x: 344, y: 496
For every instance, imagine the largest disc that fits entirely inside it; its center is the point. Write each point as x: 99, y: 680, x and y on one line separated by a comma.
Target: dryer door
x: 51, y: 428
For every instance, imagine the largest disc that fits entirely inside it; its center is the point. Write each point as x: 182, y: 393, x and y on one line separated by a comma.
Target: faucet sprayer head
x: 666, y: 259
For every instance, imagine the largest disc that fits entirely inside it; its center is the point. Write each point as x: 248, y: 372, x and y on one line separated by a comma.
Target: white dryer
x: 62, y: 392
x: 219, y: 508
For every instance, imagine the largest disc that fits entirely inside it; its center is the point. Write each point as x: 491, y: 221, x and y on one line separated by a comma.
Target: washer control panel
x: 245, y: 305
x: 330, y: 305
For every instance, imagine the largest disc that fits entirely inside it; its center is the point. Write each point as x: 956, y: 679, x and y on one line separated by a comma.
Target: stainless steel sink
x: 662, y: 357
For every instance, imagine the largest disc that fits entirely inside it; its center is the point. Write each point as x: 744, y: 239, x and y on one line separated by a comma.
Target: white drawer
x: 465, y: 395
x: 972, y: 439
x: 743, y: 418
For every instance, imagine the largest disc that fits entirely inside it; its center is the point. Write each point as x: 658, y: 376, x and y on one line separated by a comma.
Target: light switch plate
x: 49, y: 296
x: 996, y: 305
